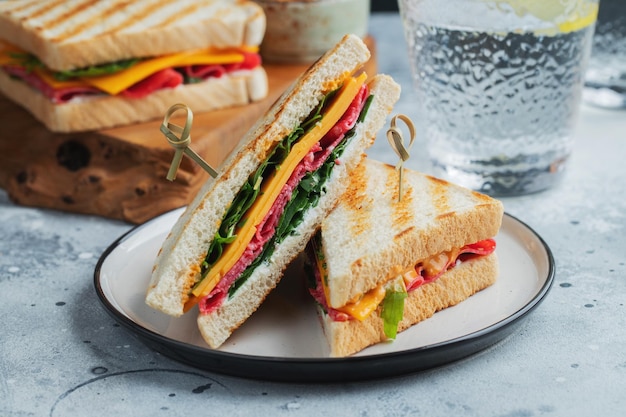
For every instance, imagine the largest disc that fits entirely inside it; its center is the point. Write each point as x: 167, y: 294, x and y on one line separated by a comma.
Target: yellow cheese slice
x: 113, y: 84
x: 209, y: 58
x: 272, y: 186
x: 366, y: 305
x: 6, y: 58
x: 6, y: 50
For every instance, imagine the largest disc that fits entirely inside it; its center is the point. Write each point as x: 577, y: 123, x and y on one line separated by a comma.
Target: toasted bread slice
x: 371, y: 236
x: 102, y: 112
x: 114, y: 30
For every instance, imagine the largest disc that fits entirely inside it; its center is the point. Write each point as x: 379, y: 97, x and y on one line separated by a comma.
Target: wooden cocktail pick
x: 181, y: 143
x: 396, y: 140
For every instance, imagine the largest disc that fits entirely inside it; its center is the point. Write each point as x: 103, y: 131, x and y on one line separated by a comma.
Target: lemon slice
x: 567, y: 15
x: 580, y: 18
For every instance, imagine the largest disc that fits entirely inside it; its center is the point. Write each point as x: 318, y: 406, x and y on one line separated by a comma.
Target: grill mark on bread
x: 18, y: 7
x: 357, y: 201
x: 447, y: 214
x: 68, y: 15
x: 402, y: 211
x: 112, y: 9
x: 133, y: 17
x: 438, y: 189
x: 399, y: 236
x: 181, y: 13
x: 354, y: 196
x: 43, y: 9
x: 482, y: 197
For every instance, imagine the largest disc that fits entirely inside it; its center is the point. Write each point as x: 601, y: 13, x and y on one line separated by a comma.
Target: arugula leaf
x: 26, y: 60
x: 30, y: 62
x: 392, y: 310
x: 235, y: 215
x: 96, y: 70
x: 305, y: 196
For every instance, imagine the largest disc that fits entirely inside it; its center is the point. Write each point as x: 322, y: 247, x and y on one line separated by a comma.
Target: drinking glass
x: 498, y: 87
x: 605, y: 80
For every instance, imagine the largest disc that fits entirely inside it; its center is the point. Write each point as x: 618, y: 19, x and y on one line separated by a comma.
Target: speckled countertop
x: 61, y: 354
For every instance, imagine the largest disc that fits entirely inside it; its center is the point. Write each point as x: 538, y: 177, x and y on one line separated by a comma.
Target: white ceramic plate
x: 283, y: 339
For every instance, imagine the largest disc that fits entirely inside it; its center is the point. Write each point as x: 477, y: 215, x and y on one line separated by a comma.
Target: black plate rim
x: 354, y: 368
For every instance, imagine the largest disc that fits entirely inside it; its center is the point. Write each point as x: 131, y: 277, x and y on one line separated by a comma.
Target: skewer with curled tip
x: 396, y: 140
x: 181, y: 143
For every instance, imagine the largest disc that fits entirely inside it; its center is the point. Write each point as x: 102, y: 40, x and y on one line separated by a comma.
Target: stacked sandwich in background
x: 86, y: 65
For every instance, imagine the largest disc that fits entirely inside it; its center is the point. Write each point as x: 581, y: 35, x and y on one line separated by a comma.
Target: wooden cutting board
x: 120, y: 173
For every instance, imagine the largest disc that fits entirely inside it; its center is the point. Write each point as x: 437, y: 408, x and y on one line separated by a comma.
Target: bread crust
x: 178, y: 263
x: 348, y: 337
x: 100, y: 112
x: 117, y: 29
x: 387, y: 236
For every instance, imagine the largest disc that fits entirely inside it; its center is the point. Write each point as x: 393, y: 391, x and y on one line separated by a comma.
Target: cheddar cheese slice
x: 7, y: 52
x: 366, y: 305
x: 272, y: 186
x: 115, y: 83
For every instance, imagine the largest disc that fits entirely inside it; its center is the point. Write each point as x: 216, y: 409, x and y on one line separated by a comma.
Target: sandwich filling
x: 387, y: 298
x: 273, y: 201
x: 132, y: 78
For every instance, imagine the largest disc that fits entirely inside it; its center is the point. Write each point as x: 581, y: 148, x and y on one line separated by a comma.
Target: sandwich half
x: 230, y: 247
x: 85, y: 65
x: 379, y: 265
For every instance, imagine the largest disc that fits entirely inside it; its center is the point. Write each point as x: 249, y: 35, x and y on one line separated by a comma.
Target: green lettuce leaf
x: 392, y: 310
x: 96, y: 70
x: 26, y: 60
x: 305, y: 196
x: 30, y: 62
x: 235, y: 215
